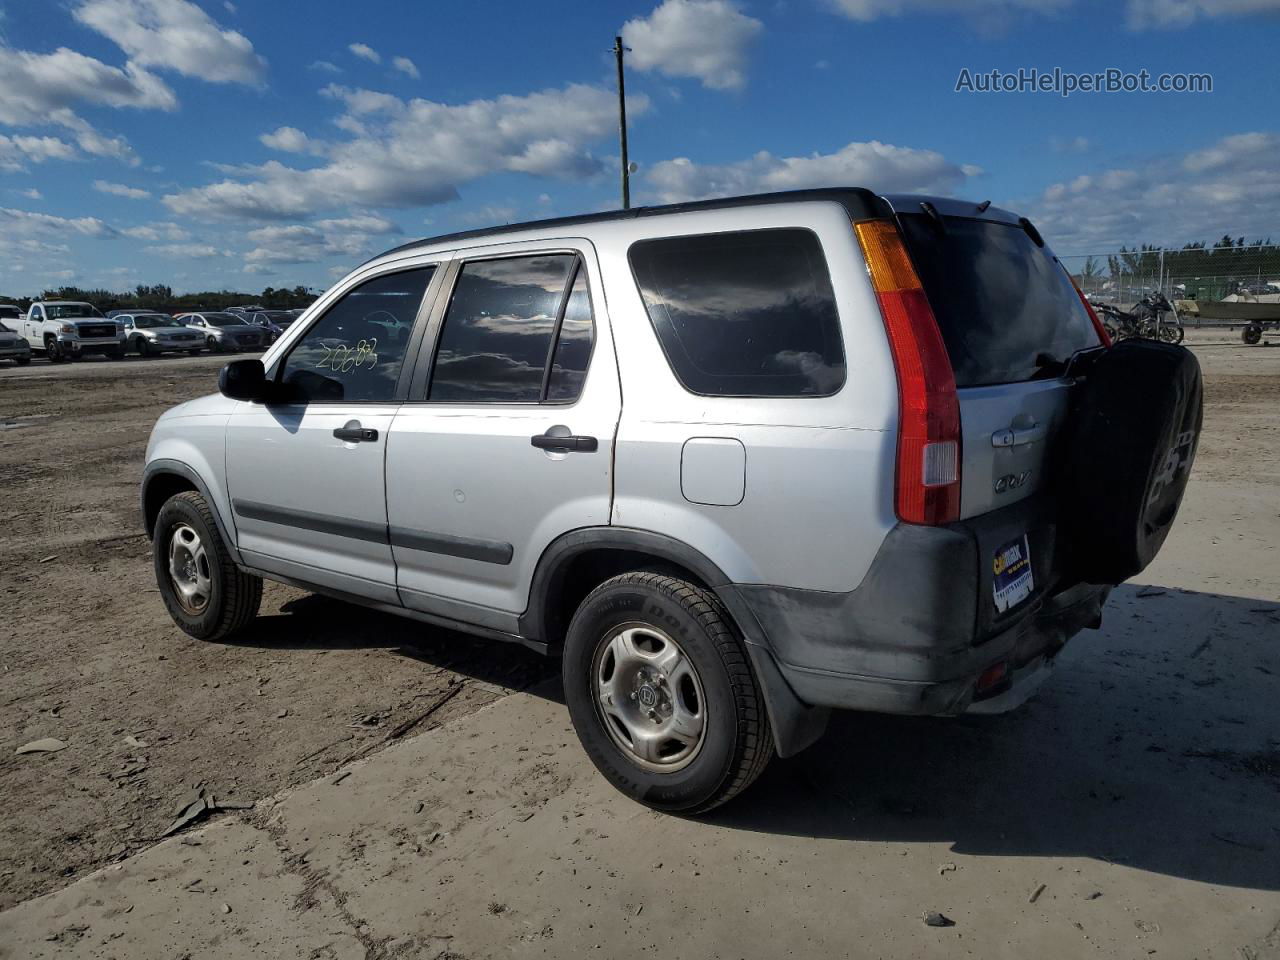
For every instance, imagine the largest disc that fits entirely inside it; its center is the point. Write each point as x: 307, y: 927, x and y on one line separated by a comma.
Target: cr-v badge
x: 1012, y: 481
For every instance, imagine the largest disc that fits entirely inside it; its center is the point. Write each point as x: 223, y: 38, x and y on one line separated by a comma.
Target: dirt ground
x: 1141, y: 787
x: 89, y: 656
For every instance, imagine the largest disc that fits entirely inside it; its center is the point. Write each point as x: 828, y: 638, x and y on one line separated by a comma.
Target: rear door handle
x: 354, y: 433
x: 560, y: 440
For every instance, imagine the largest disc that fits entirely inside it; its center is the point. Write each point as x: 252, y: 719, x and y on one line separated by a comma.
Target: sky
x: 240, y: 144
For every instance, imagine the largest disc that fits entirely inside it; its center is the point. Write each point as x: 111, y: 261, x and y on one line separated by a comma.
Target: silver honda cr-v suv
x: 736, y: 462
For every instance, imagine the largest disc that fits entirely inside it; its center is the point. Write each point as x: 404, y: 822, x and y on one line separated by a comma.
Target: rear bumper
x: 922, y: 628
x: 947, y: 683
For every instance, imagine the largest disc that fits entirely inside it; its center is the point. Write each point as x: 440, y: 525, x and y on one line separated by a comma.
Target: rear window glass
x: 1004, y: 306
x: 744, y: 314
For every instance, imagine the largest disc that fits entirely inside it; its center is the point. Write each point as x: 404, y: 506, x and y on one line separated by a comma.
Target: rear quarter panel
x: 819, y: 471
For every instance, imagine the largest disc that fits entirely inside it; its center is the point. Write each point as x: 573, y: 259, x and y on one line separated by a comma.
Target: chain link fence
x: 1207, y: 284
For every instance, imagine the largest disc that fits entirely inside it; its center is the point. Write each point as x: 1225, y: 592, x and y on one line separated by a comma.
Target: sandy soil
x: 1147, y: 773
x: 89, y: 656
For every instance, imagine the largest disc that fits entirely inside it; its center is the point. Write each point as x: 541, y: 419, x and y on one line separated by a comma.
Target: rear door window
x: 518, y: 330
x: 1005, y: 307
x: 746, y: 314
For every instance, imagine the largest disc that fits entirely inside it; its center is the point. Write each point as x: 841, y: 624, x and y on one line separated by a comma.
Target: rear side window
x: 746, y: 314
x: 1006, y: 309
x: 518, y: 330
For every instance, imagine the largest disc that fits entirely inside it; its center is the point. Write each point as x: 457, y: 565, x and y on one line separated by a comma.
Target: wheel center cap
x: 647, y: 695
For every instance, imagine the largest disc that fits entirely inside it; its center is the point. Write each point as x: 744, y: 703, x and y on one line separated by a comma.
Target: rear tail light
x: 1093, y: 314
x: 927, y: 490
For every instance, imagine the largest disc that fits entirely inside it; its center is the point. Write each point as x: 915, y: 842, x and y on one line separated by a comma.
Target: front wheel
x: 212, y: 344
x: 1252, y: 334
x: 207, y: 595
x: 662, y: 695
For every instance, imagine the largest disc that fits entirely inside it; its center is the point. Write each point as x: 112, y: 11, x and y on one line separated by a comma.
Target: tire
x: 734, y: 743
x: 231, y: 597
x: 22, y: 361
x: 144, y: 347
x: 53, y: 351
x: 194, y: 353
x: 1252, y: 334
x: 212, y: 344
x: 115, y: 353
x: 1130, y: 444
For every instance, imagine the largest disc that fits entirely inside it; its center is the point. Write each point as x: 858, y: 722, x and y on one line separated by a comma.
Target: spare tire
x: 1131, y: 439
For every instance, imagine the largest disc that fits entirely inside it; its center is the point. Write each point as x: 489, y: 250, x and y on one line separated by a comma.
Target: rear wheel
x: 207, y: 595
x: 1252, y: 334
x: 212, y: 344
x: 662, y: 695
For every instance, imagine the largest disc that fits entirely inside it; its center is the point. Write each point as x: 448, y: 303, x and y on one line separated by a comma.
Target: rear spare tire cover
x: 1132, y: 437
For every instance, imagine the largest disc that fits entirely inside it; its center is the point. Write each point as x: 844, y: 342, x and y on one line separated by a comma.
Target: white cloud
x: 879, y: 166
x: 369, y: 223
x: 987, y: 10
x: 31, y: 193
x: 406, y: 66
x: 417, y: 152
x: 1140, y: 14
x: 180, y: 251
x: 365, y: 52
x: 1166, y: 14
x: 41, y: 89
x: 174, y: 35
x: 491, y: 214
x: 348, y: 237
x: 16, y: 152
x: 1069, y: 144
x: 324, y: 66
x: 28, y: 224
x: 291, y: 140
x: 706, y: 39
x: 120, y: 190
x: 1231, y: 187
x: 157, y: 232
x: 230, y: 7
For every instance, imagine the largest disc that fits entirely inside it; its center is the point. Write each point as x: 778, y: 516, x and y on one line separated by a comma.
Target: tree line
x: 1220, y: 266
x: 162, y: 298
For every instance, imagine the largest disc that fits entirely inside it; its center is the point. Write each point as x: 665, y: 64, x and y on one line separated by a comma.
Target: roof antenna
x: 982, y: 207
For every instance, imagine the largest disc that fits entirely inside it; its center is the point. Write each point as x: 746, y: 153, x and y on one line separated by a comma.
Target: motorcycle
x: 1144, y: 321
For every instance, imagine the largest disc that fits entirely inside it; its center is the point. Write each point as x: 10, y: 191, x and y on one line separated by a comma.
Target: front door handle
x: 559, y: 439
x: 354, y: 433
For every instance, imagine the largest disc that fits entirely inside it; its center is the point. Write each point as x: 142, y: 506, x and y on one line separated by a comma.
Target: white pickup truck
x: 69, y: 330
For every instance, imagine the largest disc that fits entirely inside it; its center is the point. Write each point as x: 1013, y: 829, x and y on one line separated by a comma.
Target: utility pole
x: 618, y: 50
